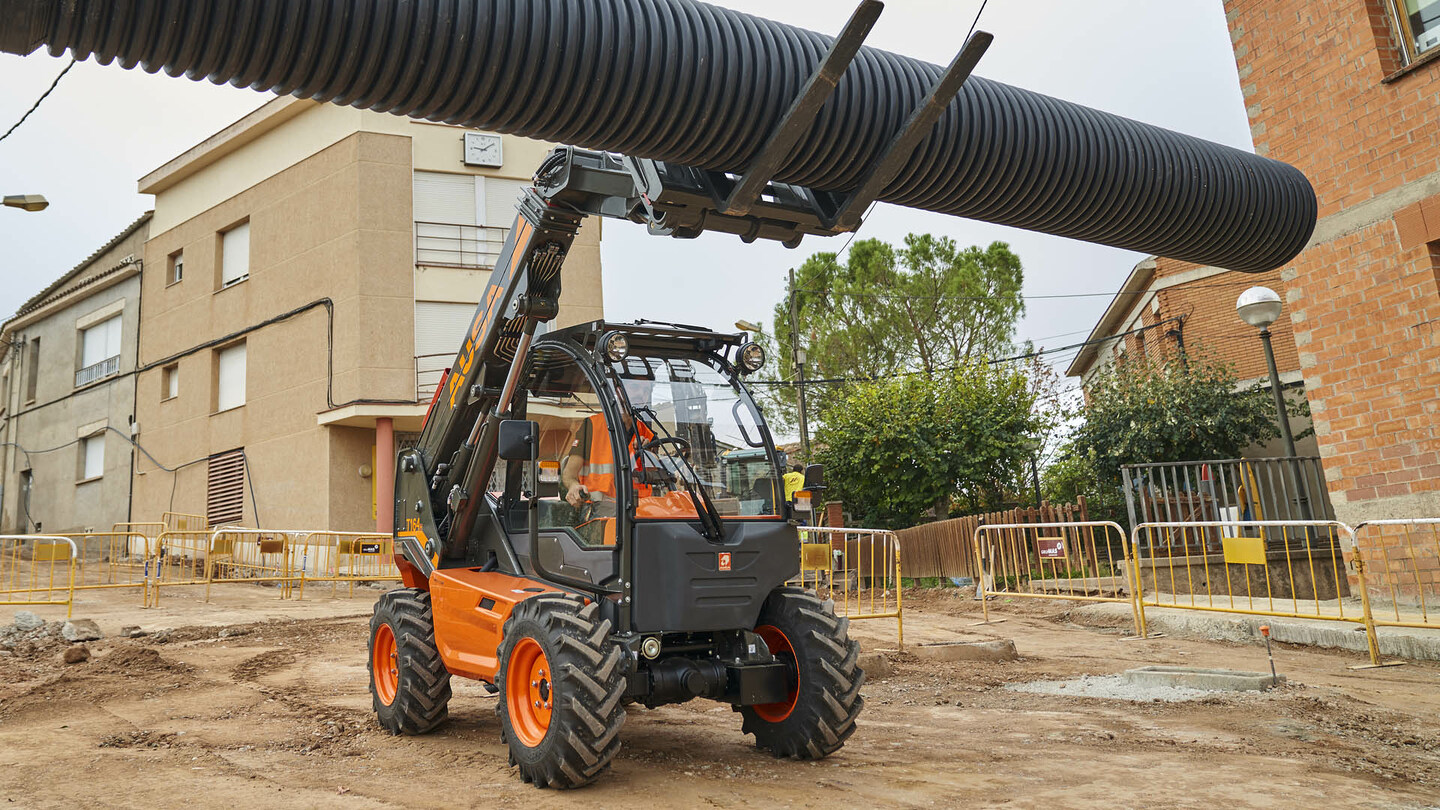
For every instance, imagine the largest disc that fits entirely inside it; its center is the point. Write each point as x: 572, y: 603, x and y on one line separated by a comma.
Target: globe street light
x: 1260, y: 307
x: 29, y: 202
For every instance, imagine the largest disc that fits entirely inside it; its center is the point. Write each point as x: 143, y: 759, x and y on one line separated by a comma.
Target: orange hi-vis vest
x: 599, y: 472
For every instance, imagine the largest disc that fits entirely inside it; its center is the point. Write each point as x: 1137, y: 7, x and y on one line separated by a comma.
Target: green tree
x: 897, y: 448
x: 1172, y: 409
x: 928, y: 305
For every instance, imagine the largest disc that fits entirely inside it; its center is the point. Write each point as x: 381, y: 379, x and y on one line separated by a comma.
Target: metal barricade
x: 1285, y: 568
x: 1290, y: 568
x: 114, y: 559
x: 253, y: 556
x: 1400, y: 560
x: 1080, y: 560
x: 179, y: 559
x: 858, y: 569
x: 149, y: 529
x: 184, y: 522
x: 37, y: 570
x: 344, y: 558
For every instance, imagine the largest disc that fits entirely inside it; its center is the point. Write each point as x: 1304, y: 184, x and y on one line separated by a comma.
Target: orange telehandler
x: 593, y: 516
x: 584, y: 524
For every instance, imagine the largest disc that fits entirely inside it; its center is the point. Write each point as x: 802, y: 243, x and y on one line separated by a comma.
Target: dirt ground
x: 275, y: 713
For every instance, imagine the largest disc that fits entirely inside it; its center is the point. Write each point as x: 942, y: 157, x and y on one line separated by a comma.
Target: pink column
x: 384, y: 475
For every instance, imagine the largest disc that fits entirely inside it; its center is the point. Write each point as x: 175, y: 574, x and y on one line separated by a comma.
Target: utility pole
x: 797, y: 357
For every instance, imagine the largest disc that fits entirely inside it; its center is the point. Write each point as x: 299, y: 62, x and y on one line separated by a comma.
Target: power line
x: 1057, y: 296
x: 36, y: 105
x: 871, y: 207
x: 1027, y: 356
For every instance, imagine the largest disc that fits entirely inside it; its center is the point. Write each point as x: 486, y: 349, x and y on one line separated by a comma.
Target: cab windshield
x: 699, y: 433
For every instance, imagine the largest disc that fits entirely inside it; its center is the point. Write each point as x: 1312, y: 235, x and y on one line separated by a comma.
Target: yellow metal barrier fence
x: 1081, y: 560
x: 114, y: 559
x: 345, y: 557
x: 253, y: 556
x: 1286, y: 568
x: 179, y: 559
x: 859, y: 569
x: 1399, y: 561
x: 37, y: 570
x: 184, y: 522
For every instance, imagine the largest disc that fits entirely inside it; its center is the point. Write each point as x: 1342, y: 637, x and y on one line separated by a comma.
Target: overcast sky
x: 1167, y: 63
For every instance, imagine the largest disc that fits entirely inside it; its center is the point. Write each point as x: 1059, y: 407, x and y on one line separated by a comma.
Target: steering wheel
x: 681, y: 445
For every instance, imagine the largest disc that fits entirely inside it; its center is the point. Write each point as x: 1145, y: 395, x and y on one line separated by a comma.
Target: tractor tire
x: 409, y: 684
x: 561, y: 684
x: 821, y: 710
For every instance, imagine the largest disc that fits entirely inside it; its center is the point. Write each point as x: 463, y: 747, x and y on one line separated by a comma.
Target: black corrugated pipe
x: 682, y: 81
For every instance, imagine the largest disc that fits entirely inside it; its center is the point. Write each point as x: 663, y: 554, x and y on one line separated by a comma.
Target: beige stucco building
x: 67, y: 395
x: 309, y: 271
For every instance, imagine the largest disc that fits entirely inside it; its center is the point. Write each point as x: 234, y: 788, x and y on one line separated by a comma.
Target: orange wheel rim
x: 529, y: 692
x: 781, y: 648
x: 385, y: 665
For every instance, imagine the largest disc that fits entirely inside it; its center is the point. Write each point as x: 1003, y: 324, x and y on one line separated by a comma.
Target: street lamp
x: 29, y: 202
x: 746, y: 326
x: 1260, y: 307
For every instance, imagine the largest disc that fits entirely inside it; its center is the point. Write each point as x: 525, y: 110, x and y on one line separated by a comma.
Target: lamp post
x: 27, y: 202
x: 1260, y: 307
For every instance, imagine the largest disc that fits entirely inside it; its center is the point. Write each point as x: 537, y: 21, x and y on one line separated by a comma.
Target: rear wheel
x: 819, y: 713
x: 561, y: 687
x: 409, y: 684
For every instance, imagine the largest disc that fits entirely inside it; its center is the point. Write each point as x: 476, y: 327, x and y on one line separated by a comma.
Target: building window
x: 32, y: 375
x: 230, y: 377
x: 92, y: 457
x: 170, y: 381
x: 1418, y: 26
x: 461, y: 220
x: 225, y: 488
x: 235, y: 255
x: 99, y: 351
x: 177, y: 268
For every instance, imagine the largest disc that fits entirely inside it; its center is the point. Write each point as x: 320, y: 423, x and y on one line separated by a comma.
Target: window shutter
x: 235, y: 254
x: 100, y: 342
x: 94, y: 456
x: 225, y: 488
x: 445, y: 198
x: 501, y: 196
x: 440, y: 328
x: 231, y: 391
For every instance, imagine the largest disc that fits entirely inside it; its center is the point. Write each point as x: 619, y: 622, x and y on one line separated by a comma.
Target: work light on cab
x: 614, y: 346
x: 752, y: 357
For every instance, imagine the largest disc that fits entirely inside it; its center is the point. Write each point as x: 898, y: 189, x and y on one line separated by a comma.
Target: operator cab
x: 645, y: 431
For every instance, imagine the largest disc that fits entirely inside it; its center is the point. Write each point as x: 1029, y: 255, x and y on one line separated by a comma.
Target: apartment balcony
x: 108, y: 367
x: 440, y: 245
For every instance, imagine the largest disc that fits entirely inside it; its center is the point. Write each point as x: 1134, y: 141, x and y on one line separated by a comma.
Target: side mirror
x: 519, y: 440
x: 814, y: 476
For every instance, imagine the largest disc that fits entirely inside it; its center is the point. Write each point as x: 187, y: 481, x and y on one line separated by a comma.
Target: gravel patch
x: 1112, y: 687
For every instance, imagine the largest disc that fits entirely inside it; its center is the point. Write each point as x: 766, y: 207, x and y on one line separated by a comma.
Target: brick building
x: 1346, y: 90
x: 1166, y: 306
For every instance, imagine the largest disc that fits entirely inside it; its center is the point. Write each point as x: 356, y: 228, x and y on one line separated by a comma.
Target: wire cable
x: 36, y: 105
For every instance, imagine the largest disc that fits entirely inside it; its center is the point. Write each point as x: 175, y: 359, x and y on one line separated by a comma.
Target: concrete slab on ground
x: 1214, y: 680
x: 995, y: 650
x: 1398, y: 642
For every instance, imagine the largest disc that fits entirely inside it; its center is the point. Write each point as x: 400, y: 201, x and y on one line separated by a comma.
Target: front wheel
x: 819, y: 713
x: 561, y: 685
x: 408, y: 681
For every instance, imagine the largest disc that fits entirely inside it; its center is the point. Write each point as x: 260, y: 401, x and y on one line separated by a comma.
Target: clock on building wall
x: 482, y: 149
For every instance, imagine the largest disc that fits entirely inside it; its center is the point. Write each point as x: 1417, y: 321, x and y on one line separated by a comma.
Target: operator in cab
x: 587, y: 473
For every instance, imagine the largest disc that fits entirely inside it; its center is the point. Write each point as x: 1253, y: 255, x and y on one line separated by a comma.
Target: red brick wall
x: 1363, y: 307
x: 1211, y: 325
